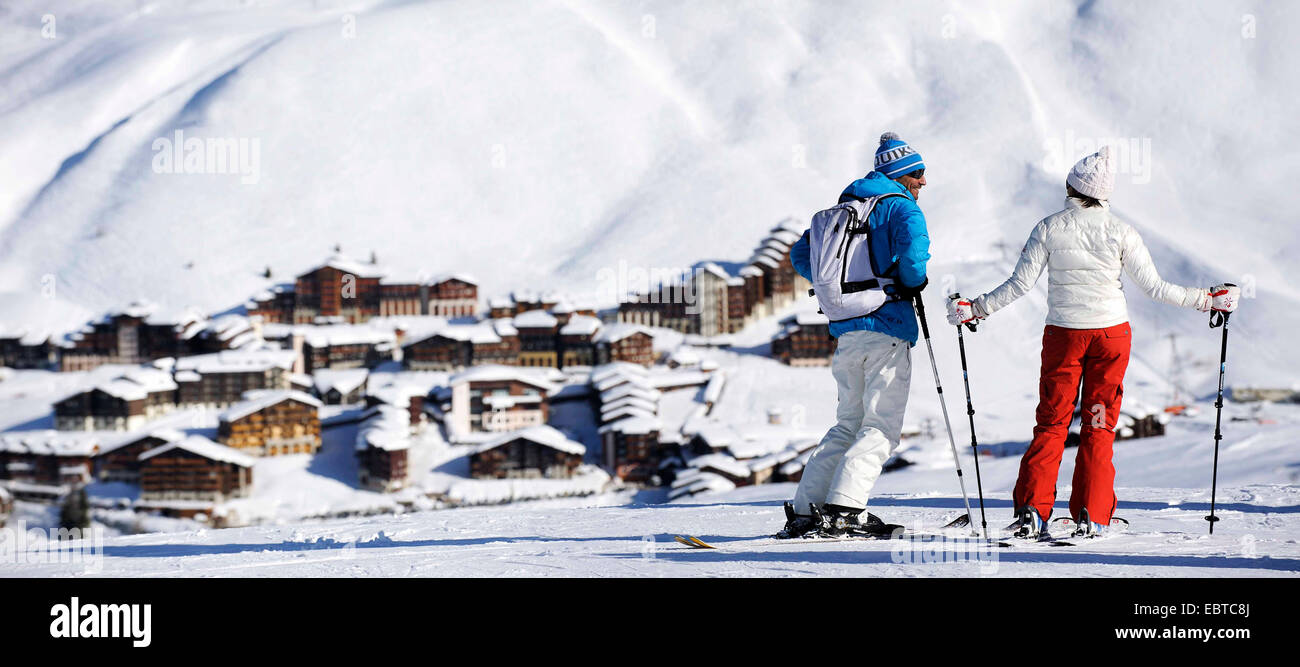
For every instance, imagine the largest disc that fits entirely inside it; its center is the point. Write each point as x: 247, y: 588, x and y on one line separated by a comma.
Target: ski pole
x: 1221, y: 321
x: 952, y: 442
x: 970, y: 412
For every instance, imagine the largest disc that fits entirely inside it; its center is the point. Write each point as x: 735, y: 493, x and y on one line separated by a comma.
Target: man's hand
x: 909, y: 293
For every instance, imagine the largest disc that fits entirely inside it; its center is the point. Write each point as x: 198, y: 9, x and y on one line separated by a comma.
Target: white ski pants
x: 873, y: 371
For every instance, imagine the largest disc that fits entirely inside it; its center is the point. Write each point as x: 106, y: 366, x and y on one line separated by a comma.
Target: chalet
x: 273, y: 305
x: 219, y: 380
x: 526, y: 300
x: 124, y: 403
x: 272, y: 422
x: 534, y: 452
x: 345, y: 346
x: 137, y: 334
x: 341, y: 387
x: 381, y: 447
x: 804, y: 340
x: 501, y: 307
x: 456, y: 346
x: 24, y: 349
x: 498, y: 398
x: 225, y: 332
x: 401, y: 298
x: 538, y: 344
x: 47, y: 457
x: 504, y: 349
x: 194, y: 468
x: 710, y: 316
x: 453, y: 295
x: 577, y: 346
x: 695, y: 305
x: 342, y: 288
x: 119, y: 460
x: 630, y: 447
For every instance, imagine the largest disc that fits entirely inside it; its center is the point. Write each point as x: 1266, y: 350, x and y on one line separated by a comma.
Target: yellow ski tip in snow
x: 693, y: 541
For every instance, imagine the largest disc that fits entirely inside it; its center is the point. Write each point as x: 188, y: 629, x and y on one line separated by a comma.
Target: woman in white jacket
x: 1087, y: 338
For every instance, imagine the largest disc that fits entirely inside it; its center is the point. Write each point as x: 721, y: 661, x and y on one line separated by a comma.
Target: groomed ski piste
x: 1168, y: 535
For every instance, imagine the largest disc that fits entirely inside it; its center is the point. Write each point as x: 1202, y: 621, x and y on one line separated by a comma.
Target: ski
x: 696, y: 543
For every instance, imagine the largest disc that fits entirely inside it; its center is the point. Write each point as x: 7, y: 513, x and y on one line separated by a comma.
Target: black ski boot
x: 838, y: 521
x: 1029, y: 526
x: 1084, y: 527
x: 797, y: 525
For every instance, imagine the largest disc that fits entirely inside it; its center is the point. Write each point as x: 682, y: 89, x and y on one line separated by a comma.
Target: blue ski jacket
x: 899, y: 240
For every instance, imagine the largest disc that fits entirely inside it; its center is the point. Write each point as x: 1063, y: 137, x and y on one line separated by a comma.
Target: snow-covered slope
x: 538, y: 142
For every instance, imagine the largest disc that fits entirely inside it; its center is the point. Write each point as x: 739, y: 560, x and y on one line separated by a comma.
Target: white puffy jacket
x: 1084, y: 250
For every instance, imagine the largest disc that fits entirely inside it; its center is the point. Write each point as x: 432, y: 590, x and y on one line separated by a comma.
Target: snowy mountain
x: 537, y: 143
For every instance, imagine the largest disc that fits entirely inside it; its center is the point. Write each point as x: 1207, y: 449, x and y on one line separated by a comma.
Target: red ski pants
x: 1099, y: 358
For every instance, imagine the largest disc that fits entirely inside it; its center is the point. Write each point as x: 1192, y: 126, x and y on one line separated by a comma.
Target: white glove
x: 1224, y: 297
x: 961, y: 311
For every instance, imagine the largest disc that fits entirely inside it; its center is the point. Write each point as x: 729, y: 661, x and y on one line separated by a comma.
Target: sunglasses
x: 919, y: 173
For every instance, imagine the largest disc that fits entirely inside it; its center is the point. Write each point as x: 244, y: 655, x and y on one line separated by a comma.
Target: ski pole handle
x: 969, y: 325
x: 1219, y: 318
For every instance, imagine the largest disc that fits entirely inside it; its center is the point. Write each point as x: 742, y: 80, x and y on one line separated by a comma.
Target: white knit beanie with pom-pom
x: 1094, y: 175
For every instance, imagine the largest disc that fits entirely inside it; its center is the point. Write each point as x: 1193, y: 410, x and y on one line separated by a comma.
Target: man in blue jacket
x: 873, y: 362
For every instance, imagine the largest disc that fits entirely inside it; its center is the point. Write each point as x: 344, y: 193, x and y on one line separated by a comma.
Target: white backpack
x: 845, y: 280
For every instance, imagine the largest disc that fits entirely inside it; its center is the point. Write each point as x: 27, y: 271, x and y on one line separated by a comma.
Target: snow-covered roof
x: 629, y: 389
x: 542, y: 435
x: 348, y: 265
x: 713, y: 390
x: 535, y: 319
x: 721, y: 462
x: 463, y: 277
x: 715, y: 270
x: 617, y: 368
x: 790, y: 228
x: 137, y: 383
x: 633, y: 425
x: 397, y: 394
x: 238, y: 361
x: 616, y: 414
x: 501, y: 302
x: 49, y: 443
x: 260, y: 399
x: 580, y: 325
x: 612, y: 333
x: 497, y: 373
x: 632, y: 401
x: 204, y: 447
x: 750, y: 270
x: 385, y: 427
x: 164, y: 434
x: 611, y: 381
x: 765, y: 261
x: 504, y: 327
x: 345, y: 380
x: 328, y: 335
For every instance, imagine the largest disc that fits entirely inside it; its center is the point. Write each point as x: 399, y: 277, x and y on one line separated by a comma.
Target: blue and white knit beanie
x: 895, y: 158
